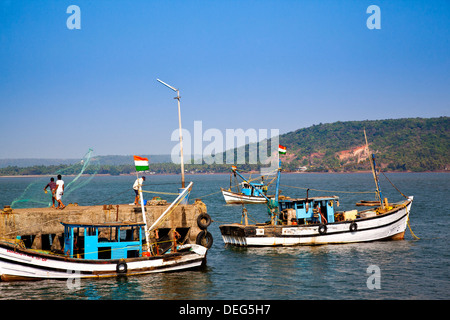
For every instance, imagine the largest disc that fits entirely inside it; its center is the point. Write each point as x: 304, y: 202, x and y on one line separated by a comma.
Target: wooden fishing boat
x: 247, y: 195
x: 88, y: 254
x: 313, y: 220
x: 248, y: 191
x: 101, y: 250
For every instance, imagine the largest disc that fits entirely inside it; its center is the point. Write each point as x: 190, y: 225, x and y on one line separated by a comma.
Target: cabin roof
x: 309, y: 199
x: 103, y: 225
x: 253, y: 183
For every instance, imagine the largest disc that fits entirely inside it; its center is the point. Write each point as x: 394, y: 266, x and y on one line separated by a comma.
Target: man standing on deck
x: 59, y: 192
x: 137, y: 184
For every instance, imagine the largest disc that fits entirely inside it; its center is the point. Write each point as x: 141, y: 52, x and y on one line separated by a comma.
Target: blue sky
x: 284, y: 64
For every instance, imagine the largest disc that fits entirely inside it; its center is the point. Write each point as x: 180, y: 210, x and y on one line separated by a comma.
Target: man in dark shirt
x: 53, y: 186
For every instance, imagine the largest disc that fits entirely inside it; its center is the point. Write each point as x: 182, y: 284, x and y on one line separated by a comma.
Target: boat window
x: 132, y: 253
x: 104, y: 253
x: 123, y: 234
x: 286, y: 205
x: 91, y: 231
x: 113, y: 234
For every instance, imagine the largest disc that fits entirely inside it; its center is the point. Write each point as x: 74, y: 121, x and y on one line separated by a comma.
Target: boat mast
x: 277, y: 189
x: 374, y: 173
x: 273, y: 205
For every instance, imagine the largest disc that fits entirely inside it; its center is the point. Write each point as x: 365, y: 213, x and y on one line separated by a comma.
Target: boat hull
x: 239, y: 198
x: 24, y: 264
x: 390, y: 225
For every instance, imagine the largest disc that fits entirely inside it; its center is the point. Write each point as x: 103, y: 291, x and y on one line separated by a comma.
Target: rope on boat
x: 113, y: 197
x: 328, y: 190
x: 410, y: 230
x: 210, y: 194
x: 160, y: 192
x: 19, y: 243
x: 128, y: 190
x: 167, y: 215
x: 249, y: 218
x: 409, y: 226
x: 16, y: 242
x: 394, y: 185
x: 113, y: 249
x: 176, y: 194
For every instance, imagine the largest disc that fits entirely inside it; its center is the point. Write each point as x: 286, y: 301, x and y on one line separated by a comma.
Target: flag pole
x: 144, y: 218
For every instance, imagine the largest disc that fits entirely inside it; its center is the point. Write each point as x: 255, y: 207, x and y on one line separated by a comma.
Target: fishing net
x: 74, y: 176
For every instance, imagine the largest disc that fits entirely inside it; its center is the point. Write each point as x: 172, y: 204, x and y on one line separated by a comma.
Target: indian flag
x: 281, y: 149
x: 141, y: 163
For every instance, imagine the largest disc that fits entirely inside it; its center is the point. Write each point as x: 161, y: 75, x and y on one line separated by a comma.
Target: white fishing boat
x: 100, y: 250
x: 314, y: 220
x: 239, y: 198
x: 247, y: 191
x: 298, y: 226
x: 110, y: 259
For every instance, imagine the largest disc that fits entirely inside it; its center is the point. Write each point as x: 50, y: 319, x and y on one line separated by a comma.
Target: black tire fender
x: 353, y: 226
x: 203, y: 221
x: 322, y: 229
x: 204, y: 238
x: 121, y: 267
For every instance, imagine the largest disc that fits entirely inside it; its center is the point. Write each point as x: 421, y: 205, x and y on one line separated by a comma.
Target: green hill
x: 413, y: 144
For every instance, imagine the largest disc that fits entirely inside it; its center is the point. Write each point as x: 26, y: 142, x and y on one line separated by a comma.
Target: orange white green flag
x: 281, y: 149
x: 141, y: 163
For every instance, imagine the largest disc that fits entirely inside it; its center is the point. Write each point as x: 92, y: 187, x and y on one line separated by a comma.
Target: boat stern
x: 240, y: 235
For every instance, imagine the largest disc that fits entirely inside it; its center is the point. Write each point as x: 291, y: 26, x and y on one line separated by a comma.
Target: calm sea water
x: 409, y: 269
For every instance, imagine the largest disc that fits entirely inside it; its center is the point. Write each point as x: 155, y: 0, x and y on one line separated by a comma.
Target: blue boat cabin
x: 103, y: 241
x: 309, y: 210
x: 250, y: 189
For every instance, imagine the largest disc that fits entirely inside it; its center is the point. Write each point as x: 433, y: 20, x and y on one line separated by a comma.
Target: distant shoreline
x: 206, y: 174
